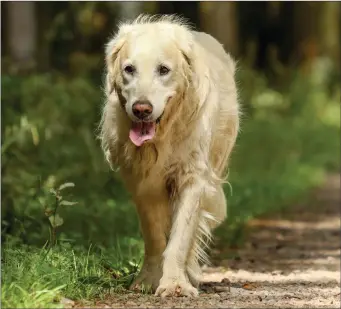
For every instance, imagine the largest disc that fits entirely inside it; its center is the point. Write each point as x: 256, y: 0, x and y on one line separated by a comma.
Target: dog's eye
x: 129, y: 69
x: 163, y: 70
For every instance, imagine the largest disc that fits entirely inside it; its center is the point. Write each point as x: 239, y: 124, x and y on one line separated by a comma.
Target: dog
x: 169, y: 123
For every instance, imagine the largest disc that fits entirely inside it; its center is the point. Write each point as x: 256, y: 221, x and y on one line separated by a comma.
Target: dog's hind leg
x: 212, y: 214
x: 217, y: 207
x: 197, y: 254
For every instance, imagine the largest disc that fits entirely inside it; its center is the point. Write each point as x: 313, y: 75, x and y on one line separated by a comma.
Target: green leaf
x: 53, y: 191
x: 66, y: 185
x: 41, y: 201
x: 56, y: 220
x: 67, y: 203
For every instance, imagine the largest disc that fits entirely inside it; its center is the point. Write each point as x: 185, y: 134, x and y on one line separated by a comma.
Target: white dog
x: 170, y: 121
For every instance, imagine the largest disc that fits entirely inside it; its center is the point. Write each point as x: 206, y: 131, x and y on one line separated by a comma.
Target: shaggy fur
x: 176, y: 177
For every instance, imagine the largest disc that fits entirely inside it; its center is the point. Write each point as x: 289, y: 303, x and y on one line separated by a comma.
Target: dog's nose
x: 142, y: 109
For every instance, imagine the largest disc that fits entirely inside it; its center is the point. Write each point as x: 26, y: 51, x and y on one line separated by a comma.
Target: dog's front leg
x: 174, y: 280
x: 154, y: 216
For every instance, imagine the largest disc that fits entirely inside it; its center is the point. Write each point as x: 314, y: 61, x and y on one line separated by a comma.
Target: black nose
x: 142, y: 109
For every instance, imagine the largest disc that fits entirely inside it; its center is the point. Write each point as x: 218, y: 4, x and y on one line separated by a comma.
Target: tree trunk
x: 129, y: 10
x: 220, y: 20
x: 330, y: 32
x: 306, y: 25
x: 22, y: 34
x: 187, y: 9
x: 317, y: 31
x: 4, y: 36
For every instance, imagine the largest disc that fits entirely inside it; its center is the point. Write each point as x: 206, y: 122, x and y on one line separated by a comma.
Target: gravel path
x: 290, y: 260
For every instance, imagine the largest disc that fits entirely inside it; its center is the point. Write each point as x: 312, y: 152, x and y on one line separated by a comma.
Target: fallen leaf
x: 249, y: 286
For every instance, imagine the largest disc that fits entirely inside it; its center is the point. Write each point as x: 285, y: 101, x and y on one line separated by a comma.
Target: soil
x: 289, y: 260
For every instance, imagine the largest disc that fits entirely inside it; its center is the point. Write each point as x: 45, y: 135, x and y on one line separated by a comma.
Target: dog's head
x: 148, y: 65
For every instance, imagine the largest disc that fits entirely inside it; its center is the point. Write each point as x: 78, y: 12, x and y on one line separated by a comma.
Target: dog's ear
x: 112, y: 55
x: 195, y: 68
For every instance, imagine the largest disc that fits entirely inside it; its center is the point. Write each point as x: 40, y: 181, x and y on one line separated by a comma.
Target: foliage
x: 51, y: 210
x: 49, y: 137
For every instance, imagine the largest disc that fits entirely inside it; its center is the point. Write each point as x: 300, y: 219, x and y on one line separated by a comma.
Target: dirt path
x: 289, y: 261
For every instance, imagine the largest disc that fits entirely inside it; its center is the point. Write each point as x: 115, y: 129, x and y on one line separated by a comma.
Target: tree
x: 187, y: 9
x: 129, y: 10
x: 317, y: 31
x: 22, y: 33
x: 330, y: 30
x: 220, y: 20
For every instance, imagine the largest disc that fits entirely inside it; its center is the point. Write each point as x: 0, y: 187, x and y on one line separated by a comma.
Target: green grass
x: 284, y: 149
x: 36, y: 278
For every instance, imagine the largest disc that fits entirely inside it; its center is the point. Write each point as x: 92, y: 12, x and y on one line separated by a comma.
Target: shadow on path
x: 292, y: 259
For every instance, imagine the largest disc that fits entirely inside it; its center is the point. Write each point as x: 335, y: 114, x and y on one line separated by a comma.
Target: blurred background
x: 52, y: 61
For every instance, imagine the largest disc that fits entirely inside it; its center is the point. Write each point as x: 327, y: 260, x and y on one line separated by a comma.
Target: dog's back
x: 213, y: 46
x: 225, y: 118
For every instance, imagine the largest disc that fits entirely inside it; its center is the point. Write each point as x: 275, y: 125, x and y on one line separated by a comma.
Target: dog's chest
x: 151, y: 170
x: 158, y: 180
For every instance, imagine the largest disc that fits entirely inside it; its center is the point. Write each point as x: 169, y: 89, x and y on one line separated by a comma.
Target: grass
x: 284, y: 150
x: 36, y: 278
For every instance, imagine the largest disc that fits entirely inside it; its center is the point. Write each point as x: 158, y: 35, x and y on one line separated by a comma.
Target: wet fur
x: 189, y: 152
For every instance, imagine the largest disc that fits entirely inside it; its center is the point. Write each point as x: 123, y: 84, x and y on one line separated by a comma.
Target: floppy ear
x: 112, y: 52
x: 201, y: 74
x: 195, y: 68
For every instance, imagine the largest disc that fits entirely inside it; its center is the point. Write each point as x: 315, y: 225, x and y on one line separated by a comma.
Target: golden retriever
x: 169, y: 123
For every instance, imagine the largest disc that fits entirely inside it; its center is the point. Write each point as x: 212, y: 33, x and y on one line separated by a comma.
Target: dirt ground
x: 290, y: 260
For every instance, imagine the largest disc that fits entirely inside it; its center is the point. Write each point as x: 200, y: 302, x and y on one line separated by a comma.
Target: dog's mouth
x: 143, y: 131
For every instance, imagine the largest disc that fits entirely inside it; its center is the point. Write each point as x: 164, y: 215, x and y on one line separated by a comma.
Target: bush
x: 49, y: 137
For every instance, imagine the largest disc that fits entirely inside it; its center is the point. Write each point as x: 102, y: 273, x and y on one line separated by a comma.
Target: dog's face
x: 149, y: 79
x: 150, y: 71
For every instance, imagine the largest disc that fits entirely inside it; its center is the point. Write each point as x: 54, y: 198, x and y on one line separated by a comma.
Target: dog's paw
x: 146, y: 282
x: 176, y: 288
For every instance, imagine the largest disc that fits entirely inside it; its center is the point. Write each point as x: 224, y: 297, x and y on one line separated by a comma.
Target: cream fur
x: 176, y: 178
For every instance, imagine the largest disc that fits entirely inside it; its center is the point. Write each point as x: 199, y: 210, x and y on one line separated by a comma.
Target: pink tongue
x: 141, y: 132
